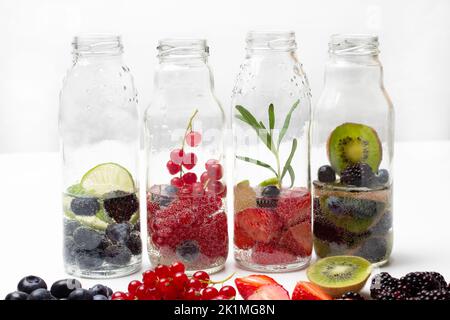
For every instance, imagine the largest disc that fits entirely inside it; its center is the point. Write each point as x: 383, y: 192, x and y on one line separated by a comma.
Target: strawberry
x: 241, y: 239
x: 309, y: 291
x: 270, y: 292
x: 298, y: 239
x: 259, y: 224
x: 295, y: 207
x: 271, y: 254
x: 248, y: 285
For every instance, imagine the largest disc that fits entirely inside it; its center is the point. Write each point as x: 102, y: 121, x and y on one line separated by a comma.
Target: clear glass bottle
x: 99, y: 131
x: 186, y: 189
x: 271, y: 120
x: 352, y: 150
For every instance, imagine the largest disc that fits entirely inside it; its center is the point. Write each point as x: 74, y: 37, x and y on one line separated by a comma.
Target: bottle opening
x: 353, y: 44
x: 271, y: 40
x: 183, y: 48
x: 97, y: 44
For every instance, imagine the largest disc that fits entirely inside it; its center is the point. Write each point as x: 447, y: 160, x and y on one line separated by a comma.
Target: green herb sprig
x: 266, y: 135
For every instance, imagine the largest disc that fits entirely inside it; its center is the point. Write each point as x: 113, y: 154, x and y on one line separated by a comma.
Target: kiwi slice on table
x: 339, y: 274
x: 353, y: 143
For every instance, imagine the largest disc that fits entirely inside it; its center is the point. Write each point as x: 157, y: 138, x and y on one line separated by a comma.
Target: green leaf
x: 249, y: 118
x: 291, y: 175
x: 271, y: 117
x: 257, y: 162
x: 240, y: 117
x: 287, y: 122
x: 289, y: 159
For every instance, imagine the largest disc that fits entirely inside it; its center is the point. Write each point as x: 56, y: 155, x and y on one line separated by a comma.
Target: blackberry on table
x: 416, y: 282
x: 442, y: 294
x: 351, y: 295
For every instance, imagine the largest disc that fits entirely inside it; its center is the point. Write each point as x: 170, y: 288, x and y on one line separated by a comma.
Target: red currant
x: 177, y: 182
x: 197, y: 189
x: 209, y: 293
x: 129, y: 296
x: 189, y: 178
x: 204, y: 178
x: 215, y: 171
x: 177, y: 267
x: 141, y: 292
x: 195, y: 284
x: 210, y: 162
x: 176, y: 155
x: 215, y: 187
x: 189, y: 160
x: 203, y: 277
x: 185, y: 191
x: 149, y: 278
x: 192, y: 294
x: 152, y: 294
x: 220, y: 297
x: 193, y: 138
x: 173, y: 167
x: 180, y: 279
x: 119, y: 295
x: 228, y: 291
x: 132, y: 286
x: 162, y: 271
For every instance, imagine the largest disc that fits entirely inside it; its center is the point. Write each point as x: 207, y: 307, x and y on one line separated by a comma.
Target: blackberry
x: 382, y: 285
x: 352, y: 296
x: 359, y: 175
x: 267, y: 203
x: 442, y: 294
x: 326, y: 174
x: 84, y: 206
x: 416, y: 282
x: 120, y: 205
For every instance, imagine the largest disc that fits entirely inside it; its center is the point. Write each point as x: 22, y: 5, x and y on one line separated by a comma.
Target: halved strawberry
x: 294, y: 207
x: 248, y: 285
x: 241, y: 239
x: 270, y: 253
x: 298, y: 239
x: 309, y: 291
x: 259, y: 224
x: 270, y: 292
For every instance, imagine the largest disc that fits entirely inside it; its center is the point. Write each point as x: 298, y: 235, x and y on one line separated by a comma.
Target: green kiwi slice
x: 352, y: 143
x: 339, y: 274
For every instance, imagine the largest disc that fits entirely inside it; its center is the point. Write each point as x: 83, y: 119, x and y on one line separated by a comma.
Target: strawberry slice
x: 295, y: 207
x: 241, y: 239
x: 270, y: 292
x: 309, y: 291
x: 298, y: 239
x: 270, y: 253
x: 259, y: 224
x: 248, y: 285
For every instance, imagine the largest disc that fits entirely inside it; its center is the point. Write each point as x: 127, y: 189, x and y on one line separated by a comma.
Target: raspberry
x: 241, y: 239
x: 259, y: 224
x: 298, y: 239
x: 266, y: 254
x: 295, y: 207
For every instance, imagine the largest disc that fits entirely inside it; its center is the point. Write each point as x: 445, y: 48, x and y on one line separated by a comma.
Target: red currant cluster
x: 188, y: 182
x: 172, y: 283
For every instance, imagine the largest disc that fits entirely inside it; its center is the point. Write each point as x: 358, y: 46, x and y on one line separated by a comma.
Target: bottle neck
x: 89, y: 48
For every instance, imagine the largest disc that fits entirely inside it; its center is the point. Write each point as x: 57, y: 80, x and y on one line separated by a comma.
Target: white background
x: 35, y: 52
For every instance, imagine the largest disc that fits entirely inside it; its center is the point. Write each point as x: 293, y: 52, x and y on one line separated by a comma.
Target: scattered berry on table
x: 352, y: 296
x: 31, y: 283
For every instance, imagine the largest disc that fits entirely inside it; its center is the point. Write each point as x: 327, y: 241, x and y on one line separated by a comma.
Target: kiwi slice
x: 339, y: 274
x: 352, y: 143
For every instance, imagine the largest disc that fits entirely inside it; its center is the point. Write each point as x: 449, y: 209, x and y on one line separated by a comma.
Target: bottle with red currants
x: 186, y: 190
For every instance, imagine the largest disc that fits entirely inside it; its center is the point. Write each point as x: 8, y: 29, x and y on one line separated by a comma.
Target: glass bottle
x: 352, y: 149
x: 99, y: 131
x: 271, y: 120
x: 186, y: 190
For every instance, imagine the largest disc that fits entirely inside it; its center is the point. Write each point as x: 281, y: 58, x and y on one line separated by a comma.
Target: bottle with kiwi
x: 351, y: 155
x: 272, y: 202
x: 98, y: 123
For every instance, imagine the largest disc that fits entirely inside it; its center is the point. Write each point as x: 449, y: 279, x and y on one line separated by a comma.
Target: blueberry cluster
x: 412, y: 286
x: 35, y: 288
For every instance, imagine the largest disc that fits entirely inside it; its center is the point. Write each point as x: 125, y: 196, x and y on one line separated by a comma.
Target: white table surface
x: 31, y: 225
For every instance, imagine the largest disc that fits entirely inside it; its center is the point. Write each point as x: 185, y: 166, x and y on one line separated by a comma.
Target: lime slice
x: 269, y: 182
x: 92, y: 222
x: 107, y: 177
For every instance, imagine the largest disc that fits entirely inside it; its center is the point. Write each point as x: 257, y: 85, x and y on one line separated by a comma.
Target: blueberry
x: 117, y: 254
x: 134, y: 243
x: 89, y: 259
x: 70, y: 226
x: 80, y: 294
x: 171, y: 190
x: 62, y: 288
x: 336, y: 205
x: 31, y: 283
x: 326, y: 174
x: 41, y: 294
x: 69, y: 249
x: 384, y: 225
x: 188, y: 251
x: 118, y: 232
x: 84, y: 206
x: 374, y: 249
x: 382, y: 176
x: 86, y: 238
x: 270, y: 191
x: 17, y: 295
x: 101, y: 290
x: 100, y: 297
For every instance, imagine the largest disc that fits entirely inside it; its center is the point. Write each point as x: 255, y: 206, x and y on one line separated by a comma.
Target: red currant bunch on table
x: 172, y: 283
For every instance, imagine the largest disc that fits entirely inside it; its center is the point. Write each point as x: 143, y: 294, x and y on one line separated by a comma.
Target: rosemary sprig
x: 266, y: 135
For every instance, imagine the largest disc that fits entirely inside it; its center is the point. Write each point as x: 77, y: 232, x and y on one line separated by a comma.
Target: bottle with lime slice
x: 100, y: 144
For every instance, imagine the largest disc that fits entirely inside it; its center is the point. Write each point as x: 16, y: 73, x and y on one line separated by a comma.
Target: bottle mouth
x: 353, y: 44
x: 271, y: 40
x: 97, y: 44
x: 182, y: 48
